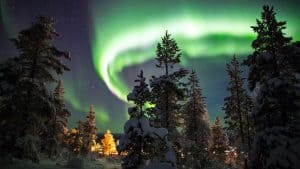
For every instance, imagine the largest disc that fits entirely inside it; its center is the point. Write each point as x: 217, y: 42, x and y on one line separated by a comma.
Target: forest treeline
x: 169, y: 123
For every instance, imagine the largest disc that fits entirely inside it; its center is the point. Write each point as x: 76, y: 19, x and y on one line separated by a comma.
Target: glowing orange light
x: 108, y: 144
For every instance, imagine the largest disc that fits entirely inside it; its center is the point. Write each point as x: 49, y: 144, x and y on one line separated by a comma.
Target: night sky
x: 110, y: 41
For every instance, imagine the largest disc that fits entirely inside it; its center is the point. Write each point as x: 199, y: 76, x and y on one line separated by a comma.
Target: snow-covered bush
x: 145, y: 146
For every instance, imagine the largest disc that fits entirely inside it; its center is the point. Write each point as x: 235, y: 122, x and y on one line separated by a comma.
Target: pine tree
x: 89, y: 132
x: 24, y: 88
x: 197, y: 126
x: 220, y: 141
x: 274, y: 78
x: 108, y: 144
x: 168, y: 90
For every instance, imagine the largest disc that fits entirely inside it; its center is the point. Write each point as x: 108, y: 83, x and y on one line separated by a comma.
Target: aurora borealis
x: 110, y: 41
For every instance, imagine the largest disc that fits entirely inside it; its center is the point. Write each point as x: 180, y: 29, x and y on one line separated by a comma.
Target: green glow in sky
x: 127, y: 35
x: 124, y: 34
x: 102, y: 117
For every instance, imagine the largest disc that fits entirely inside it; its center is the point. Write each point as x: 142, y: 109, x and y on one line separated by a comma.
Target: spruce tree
x: 267, y: 65
x: 197, y: 125
x: 140, y: 94
x: 220, y: 140
x: 25, y: 91
x: 89, y: 131
x: 237, y: 106
x: 237, y: 109
x: 276, y: 82
x: 168, y: 89
x: 141, y: 142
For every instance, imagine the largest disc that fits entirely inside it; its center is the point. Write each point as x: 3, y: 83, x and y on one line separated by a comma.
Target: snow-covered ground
x: 102, y: 163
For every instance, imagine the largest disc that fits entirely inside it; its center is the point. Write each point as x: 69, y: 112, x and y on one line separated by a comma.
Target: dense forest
x: 168, y: 125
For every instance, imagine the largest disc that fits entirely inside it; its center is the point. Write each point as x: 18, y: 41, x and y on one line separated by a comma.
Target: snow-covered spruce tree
x: 220, y: 142
x: 27, y: 101
x: 57, y: 127
x: 276, y: 82
x: 89, y: 133
x: 145, y: 146
x: 197, y: 129
x: 167, y: 91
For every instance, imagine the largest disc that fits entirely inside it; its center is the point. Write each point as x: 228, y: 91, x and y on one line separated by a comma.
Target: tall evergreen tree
x: 275, y: 78
x: 89, y: 131
x: 237, y: 106
x: 237, y: 109
x: 267, y: 65
x: 197, y: 125
x: 140, y: 141
x: 167, y: 89
x: 26, y: 99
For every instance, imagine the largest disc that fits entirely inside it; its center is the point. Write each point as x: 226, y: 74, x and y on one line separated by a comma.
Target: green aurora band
x: 130, y: 35
x: 125, y: 33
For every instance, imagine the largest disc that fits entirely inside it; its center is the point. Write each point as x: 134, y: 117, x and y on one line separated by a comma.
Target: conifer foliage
x: 237, y: 107
x: 141, y: 142
x: 89, y: 131
x: 57, y: 127
x: 276, y: 81
x: 168, y: 89
x: 27, y: 102
x: 140, y: 94
x: 220, y: 140
x: 271, y: 72
x: 108, y: 144
x: 197, y: 125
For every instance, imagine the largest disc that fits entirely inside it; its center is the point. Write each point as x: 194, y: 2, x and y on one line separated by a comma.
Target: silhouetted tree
x: 276, y: 82
x: 89, y: 133
x: 168, y: 89
x: 27, y: 102
x: 197, y: 125
x: 267, y: 62
x: 237, y: 108
x: 140, y: 93
x: 140, y: 141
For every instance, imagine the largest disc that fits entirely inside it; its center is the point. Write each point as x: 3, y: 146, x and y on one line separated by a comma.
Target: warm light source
x: 108, y: 144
